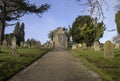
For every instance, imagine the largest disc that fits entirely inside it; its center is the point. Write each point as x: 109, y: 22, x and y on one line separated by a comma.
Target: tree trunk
x: 2, y: 29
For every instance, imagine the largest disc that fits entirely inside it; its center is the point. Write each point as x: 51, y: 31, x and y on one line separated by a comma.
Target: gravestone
x: 14, y: 42
x: 84, y: 46
x: 26, y: 45
x: 21, y: 44
x: 13, y: 48
x: 96, y: 46
x: 74, y: 47
x: 79, y: 45
x: 117, y: 45
x: 38, y: 45
x: 108, y: 50
x: 4, y: 44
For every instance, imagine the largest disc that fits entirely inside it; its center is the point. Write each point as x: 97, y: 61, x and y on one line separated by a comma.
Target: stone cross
x: 108, y: 49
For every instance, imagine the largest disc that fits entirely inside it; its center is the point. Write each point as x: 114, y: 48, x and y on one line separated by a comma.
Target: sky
x: 62, y: 13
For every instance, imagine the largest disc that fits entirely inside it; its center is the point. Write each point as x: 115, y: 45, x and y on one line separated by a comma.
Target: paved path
x: 56, y: 65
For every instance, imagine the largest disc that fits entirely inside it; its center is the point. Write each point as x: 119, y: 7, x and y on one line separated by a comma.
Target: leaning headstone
x: 4, y: 44
x: 96, y: 46
x: 108, y: 50
x: 117, y: 45
x: 84, y: 46
x: 13, y: 48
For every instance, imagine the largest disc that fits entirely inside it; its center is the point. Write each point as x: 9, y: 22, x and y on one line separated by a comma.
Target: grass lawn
x: 109, y: 69
x: 11, y: 64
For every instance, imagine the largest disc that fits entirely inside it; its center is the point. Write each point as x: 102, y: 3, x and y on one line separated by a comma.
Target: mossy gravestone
x: 108, y: 50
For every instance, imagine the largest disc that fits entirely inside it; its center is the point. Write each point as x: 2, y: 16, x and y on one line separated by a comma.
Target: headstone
x: 74, y: 47
x: 96, y: 46
x: 108, y: 49
x: 79, y: 45
x: 4, y: 44
x: 21, y: 44
x: 38, y: 44
x: 117, y: 45
x: 13, y: 48
x: 14, y: 42
x: 84, y: 46
x: 26, y: 45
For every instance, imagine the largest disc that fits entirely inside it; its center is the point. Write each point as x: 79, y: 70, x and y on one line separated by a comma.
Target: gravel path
x: 56, y: 65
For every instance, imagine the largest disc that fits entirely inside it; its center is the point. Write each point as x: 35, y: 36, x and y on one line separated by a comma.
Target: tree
x: 22, y: 33
x: 117, y: 20
x: 116, y: 39
x: 94, y: 7
x: 86, y: 29
x: 17, y: 33
x: 14, y: 9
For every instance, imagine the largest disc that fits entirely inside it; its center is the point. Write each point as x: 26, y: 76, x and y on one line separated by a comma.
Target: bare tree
x: 94, y: 7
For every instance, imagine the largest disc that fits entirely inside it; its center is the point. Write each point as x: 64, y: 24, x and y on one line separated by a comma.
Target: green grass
x: 11, y: 64
x: 109, y: 69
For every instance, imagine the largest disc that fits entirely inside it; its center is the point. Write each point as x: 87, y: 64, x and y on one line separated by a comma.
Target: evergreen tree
x: 86, y: 30
x: 22, y: 33
x: 14, y: 9
x: 117, y: 20
x: 17, y: 33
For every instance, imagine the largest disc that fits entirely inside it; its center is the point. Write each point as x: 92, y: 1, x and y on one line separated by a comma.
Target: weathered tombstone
x: 14, y: 42
x: 74, y: 47
x: 84, y: 46
x: 108, y: 49
x: 13, y: 48
x: 96, y: 46
x: 26, y: 45
x: 79, y: 45
x: 21, y: 44
x: 38, y: 44
x: 4, y: 44
x: 117, y: 45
